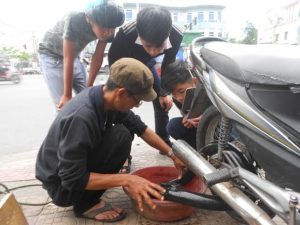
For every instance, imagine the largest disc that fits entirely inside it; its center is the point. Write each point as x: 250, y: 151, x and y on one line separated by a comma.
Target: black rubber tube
x: 209, y: 202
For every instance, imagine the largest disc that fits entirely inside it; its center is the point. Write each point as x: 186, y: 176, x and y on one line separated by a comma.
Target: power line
x: 15, y: 26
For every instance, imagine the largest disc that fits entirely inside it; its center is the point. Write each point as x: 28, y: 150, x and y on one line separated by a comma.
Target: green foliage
x: 20, y: 58
x: 8, y: 52
x: 250, y: 34
x: 24, y: 56
x: 12, y: 53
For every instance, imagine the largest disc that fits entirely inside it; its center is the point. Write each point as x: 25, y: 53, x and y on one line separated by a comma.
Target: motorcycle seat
x: 254, y: 64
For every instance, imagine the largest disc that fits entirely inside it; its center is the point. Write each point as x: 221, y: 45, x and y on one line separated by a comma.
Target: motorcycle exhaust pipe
x: 234, y: 197
x: 208, y: 202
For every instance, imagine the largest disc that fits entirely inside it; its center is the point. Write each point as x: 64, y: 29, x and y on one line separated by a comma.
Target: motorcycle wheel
x: 208, y: 128
x: 15, y: 79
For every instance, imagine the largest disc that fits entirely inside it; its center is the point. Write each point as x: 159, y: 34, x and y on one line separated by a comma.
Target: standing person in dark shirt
x: 151, y: 35
x: 60, y: 48
x: 90, y: 140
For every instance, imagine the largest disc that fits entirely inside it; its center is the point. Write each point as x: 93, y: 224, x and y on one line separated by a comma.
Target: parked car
x: 31, y: 70
x: 86, y: 60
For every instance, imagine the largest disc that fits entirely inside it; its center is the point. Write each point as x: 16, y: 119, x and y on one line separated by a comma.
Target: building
x: 201, y: 18
x: 282, y: 25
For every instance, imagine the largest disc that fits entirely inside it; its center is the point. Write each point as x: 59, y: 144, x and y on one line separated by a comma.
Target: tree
x: 9, y: 52
x: 250, y: 34
x: 23, y: 58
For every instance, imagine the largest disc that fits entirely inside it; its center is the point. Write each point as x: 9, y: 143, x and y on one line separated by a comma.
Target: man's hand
x: 166, y: 102
x: 179, y: 166
x: 63, y: 100
x: 141, y: 190
x: 190, y: 123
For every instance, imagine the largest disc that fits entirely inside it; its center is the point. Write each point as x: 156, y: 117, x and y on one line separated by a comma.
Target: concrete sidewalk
x: 21, y: 172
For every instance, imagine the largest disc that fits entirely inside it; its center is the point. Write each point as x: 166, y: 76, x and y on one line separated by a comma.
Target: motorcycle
x: 248, y: 140
x: 7, y: 75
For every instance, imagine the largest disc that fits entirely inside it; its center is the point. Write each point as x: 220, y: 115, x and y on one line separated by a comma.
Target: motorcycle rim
x: 16, y: 79
x: 208, y: 128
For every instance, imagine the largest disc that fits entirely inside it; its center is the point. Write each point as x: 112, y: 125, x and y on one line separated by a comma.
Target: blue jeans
x: 161, y: 117
x: 177, y: 131
x: 53, y: 73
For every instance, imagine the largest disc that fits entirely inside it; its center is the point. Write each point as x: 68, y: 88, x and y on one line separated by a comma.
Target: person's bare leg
x: 107, y: 215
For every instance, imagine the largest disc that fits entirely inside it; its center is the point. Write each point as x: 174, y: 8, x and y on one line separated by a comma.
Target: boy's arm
x: 96, y: 62
x: 69, y: 56
x: 175, y: 37
x: 170, y: 54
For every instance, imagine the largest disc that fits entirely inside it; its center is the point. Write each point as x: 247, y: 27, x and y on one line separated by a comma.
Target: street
x: 27, y: 112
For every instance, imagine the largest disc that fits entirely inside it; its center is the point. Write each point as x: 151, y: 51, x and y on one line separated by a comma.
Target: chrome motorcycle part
x: 234, y: 197
x: 224, y: 136
x: 293, y: 207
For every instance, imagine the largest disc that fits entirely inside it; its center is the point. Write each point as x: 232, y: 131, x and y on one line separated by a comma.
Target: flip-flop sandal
x: 107, y: 207
x: 127, y: 168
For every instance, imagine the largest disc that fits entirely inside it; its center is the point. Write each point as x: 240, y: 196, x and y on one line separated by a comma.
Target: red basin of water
x: 167, y: 211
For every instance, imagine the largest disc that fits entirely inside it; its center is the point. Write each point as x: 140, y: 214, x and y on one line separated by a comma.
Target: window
x: 211, y: 34
x: 128, y: 14
x: 175, y: 17
x: 291, y: 13
x: 276, y: 37
x: 201, y: 34
x: 200, y: 16
x: 211, y: 16
x: 219, y: 16
x: 298, y: 35
x: 189, y: 17
x: 285, y: 35
x: 220, y: 34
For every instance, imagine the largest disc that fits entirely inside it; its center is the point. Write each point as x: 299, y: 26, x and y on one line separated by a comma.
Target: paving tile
x: 143, y: 156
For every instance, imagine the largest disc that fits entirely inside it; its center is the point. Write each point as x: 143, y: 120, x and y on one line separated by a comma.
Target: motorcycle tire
x: 15, y: 79
x: 208, y: 127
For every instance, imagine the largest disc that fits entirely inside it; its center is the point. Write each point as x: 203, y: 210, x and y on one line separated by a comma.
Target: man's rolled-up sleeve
x: 132, y: 122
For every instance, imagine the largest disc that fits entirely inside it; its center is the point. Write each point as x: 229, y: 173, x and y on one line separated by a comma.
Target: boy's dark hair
x: 154, y: 24
x: 107, y: 15
x: 175, y: 73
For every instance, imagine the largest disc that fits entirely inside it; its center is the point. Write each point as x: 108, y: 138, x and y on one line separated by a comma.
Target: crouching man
x: 90, y: 139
